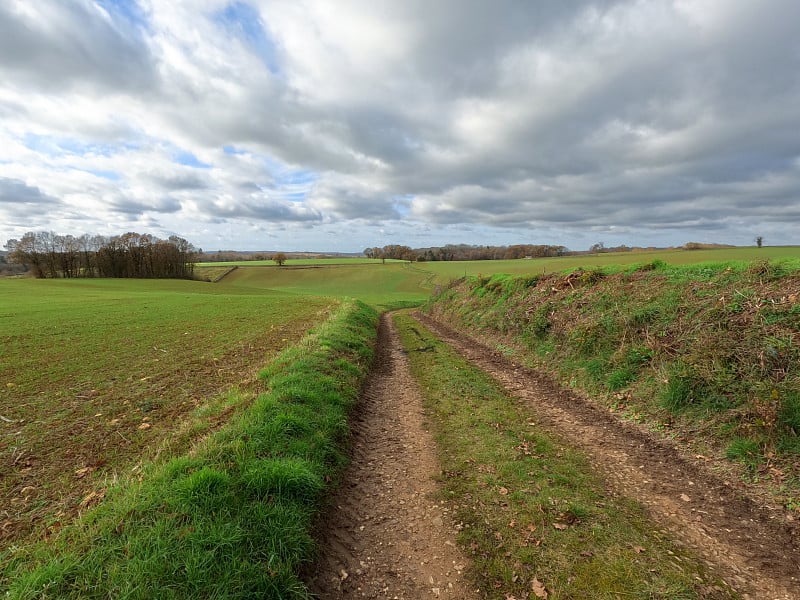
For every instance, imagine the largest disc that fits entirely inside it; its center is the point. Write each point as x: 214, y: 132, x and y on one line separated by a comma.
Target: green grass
x: 383, y: 286
x: 233, y: 518
x: 97, y: 374
x: 529, y: 505
x: 445, y: 271
x: 296, y: 262
x: 706, y: 351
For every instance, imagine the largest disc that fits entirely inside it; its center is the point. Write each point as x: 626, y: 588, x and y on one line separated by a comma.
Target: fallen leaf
x: 93, y: 498
x: 144, y: 426
x: 503, y: 491
x: 560, y: 526
x: 638, y: 549
x: 538, y: 589
x: 343, y: 574
x: 685, y: 498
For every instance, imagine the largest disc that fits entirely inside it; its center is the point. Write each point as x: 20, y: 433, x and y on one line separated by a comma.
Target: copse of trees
x: 466, y: 252
x: 135, y: 255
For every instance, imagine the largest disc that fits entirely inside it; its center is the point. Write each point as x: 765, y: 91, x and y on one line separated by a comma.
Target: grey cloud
x: 16, y: 192
x: 130, y: 206
x: 179, y: 181
x: 261, y: 208
x: 56, y: 45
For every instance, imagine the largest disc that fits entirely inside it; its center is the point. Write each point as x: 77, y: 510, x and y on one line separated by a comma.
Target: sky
x: 336, y: 125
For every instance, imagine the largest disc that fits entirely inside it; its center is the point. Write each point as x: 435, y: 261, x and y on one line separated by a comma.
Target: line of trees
x: 136, y: 255
x: 466, y: 252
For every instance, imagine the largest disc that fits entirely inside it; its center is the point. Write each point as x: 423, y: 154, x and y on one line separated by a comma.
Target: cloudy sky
x: 341, y: 124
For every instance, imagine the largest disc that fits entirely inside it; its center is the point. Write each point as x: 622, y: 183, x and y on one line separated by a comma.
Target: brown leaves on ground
x: 539, y: 590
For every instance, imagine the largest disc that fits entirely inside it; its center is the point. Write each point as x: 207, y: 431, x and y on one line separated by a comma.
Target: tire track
x: 753, y: 548
x: 385, y: 536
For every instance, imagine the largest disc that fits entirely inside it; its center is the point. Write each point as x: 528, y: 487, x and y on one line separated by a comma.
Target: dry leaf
x: 560, y: 526
x: 503, y: 491
x: 638, y: 549
x: 144, y: 426
x: 685, y: 498
x: 538, y: 589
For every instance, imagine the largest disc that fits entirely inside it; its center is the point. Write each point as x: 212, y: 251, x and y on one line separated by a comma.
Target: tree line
x: 135, y: 255
x: 465, y: 252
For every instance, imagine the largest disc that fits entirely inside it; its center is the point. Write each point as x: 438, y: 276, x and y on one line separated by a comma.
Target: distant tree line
x: 466, y: 252
x: 136, y: 255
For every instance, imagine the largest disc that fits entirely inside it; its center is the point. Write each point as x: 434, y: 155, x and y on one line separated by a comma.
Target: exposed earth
x: 388, y: 537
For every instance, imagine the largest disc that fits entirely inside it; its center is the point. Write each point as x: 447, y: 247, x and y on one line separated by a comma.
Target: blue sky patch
x: 243, y: 21
x: 184, y: 157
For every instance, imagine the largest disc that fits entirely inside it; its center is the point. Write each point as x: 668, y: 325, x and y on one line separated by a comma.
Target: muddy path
x: 755, y: 548
x: 386, y: 536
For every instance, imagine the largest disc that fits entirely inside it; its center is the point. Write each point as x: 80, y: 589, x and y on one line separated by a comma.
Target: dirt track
x: 387, y: 537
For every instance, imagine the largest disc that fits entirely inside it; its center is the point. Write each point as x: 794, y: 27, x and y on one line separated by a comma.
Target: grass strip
x: 233, y: 518
x: 533, y: 517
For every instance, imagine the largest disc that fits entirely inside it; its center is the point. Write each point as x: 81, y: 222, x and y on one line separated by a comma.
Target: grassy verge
x: 534, y: 518
x: 232, y: 518
x: 706, y: 352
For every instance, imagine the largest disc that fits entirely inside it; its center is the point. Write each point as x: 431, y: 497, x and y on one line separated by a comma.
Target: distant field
x: 96, y: 373
x: 380, y: 285
x: 446, y: 271
x: 297, y: 262
x: 401, y: 283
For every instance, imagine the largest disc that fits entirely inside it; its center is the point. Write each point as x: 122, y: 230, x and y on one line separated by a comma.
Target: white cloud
x: 278, y: 123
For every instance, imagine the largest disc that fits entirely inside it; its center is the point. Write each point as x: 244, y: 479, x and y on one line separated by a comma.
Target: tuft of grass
x: 746, y: 451
x: 529, y: 506
x: 233, y: 519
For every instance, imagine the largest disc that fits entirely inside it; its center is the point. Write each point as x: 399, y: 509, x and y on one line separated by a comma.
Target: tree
x: 598, y: 247
x: 760, y: 241
x: 279, y: 258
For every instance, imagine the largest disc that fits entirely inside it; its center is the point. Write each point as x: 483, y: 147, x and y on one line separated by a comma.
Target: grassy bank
x: 232, y: 518
x: 707, y: 352
x: 535, y: 521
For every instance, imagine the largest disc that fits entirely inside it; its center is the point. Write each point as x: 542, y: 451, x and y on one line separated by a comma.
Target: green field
x: 380, y: 285
x: 398, y: 283
x: 96, y: 373
x: 102, y: 379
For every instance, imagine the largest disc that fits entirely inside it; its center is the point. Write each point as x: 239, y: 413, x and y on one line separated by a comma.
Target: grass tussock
x: 708, y: 351
x: 532, y: 515
x: 232, y: 519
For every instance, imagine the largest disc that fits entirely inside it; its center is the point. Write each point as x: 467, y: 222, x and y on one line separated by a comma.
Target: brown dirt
x: 754, y: 547
x: 386, y: 535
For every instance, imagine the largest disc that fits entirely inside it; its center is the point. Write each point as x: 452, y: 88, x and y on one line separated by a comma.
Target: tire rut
x: 753, y: 548
x: 385, y: 535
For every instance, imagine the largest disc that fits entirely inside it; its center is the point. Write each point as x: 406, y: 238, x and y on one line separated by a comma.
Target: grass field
x: 445, y: 271
x: 381, y: 285
x: 99, y: 378
x: 97, y: 374
x: 396, y: 284
x: 232, y: 518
